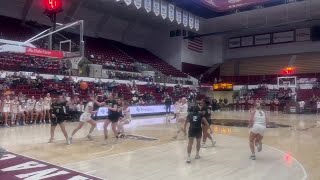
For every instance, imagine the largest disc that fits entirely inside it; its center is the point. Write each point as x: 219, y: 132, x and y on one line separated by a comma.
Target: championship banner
x: 185, y: 18
x: 303, y: 34
x: 156, y: 7
x: 138, y: 3
x: 164, y: 9
x: 283, y: 37
x: 196, y: 23
x: 147, y: 5
x: 262, y: 39
x: 171, y: 12
x: 234, y: 42
x: 128, y: 2
x: 178, y: 15
x: 247, y: 41
x: 191, y: 21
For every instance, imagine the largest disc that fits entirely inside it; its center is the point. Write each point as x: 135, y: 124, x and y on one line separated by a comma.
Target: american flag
x: 196, y: 44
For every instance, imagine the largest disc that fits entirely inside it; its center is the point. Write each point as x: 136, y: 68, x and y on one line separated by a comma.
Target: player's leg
x: 105, y: 128
x: 252, y: 138
x: 80, y: 125
x: 198, y: 146
x: 114, y: 128
x: 63, y: 129
x: 5, y: 114
x: 93, y: 126
x: 189, y: 148
x: 36, y: 117
x: 120, y: 126
x: 13, y: 119
x: 54, y: 124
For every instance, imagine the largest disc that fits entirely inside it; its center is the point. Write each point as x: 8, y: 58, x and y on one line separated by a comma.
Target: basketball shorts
x: 38, y: 110
x: 183, y: 115
x: 6, y: 109
x: 114, y: 117
x: 30, y: 109
x: 85, y: 117
x: 46, y: 107
x: 258, y: 129
x: 195, y: 133
x: 57, y: 120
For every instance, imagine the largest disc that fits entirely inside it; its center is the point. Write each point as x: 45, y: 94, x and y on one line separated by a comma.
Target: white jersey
x: 39, y: 106
x: 6, y: 104
x: 31, y: 104
x: 184, y: 108
x: 47, y: 101
x: 15, y: 106
x: 177, y: 107
x: 80, y: 107
x: 259, y: 118
x: 88, y: 107
x: 126, y: 113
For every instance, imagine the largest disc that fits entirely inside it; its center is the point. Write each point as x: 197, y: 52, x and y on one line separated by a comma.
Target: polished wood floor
x: 289, y: 153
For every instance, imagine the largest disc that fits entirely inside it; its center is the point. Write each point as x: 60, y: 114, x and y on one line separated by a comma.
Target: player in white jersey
x: 181, y: 119
x: 39, y: 107
x: 14, y: 110
x: 126, y: 118
x: 6, y: 110
x: 30, y: 109
x: 46, y: 107
x: 177, y: 109
x: 86, y: 117
x: 257, y: 123
x: 22, y: 110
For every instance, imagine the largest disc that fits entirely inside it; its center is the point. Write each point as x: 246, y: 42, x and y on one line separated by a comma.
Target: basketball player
x: 181, y: 118
x: 258, y: 124
x: 195, y: 130
x: 46, y: 107
x: 14, y: 110
x: 176, y: 109
x: 39, y: 107
x: 276, y: 104
x: 22, y: 110
x: 126, y: 118
x: 30, y: 109
x: 113, y: 116
x: 168, y: 102
x: 58, y: 116
x: 6, y: 110
x: 86, y: 117
x: 206, y: 114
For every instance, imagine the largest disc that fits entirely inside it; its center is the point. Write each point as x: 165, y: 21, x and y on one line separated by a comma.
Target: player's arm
x: 114, y: 108
x: 99, y: 103
x: 205, y: 122
x: 52, y: 111
x: 251, y: 121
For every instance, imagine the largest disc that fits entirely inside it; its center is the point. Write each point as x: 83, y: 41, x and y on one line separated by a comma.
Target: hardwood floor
x: 289, y: 153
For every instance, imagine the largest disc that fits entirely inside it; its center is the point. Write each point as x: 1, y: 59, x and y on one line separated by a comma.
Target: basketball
x: 84, y: 85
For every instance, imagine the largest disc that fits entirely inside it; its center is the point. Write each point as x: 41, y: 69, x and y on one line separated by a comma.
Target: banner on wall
x: 247, y: 41
x: 138, y: 110
x: 303, y: 34
x: 164, y: 9
x: 147, y: 5
x: 234, y: 42
x: 283, y: 37
x: 156, y: 7
x: 128, y: 2
x: 196, y: 23
x: 191, y: 21
x: 262, y: 39
x: 185, y: 18
x: 138, y: 3
x: 178, y: 15
x: 171, y: 12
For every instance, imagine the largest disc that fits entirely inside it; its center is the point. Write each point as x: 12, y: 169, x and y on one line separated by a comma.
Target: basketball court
x: 288, y: 152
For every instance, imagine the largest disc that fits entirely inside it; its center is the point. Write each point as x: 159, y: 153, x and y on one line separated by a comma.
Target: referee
x: 58, y: 112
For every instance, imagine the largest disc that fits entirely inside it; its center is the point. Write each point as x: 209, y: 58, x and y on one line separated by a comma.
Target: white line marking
x: 103, y: 151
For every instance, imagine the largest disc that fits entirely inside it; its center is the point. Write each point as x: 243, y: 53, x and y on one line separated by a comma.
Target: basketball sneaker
x: 50, y: 140
x: 188, y: 160
x: 70, y: 140
x: 213, y: 142
x: 197, y: 156
x: 259, y: 148
x: 253, y: 157
x: 90, y: 138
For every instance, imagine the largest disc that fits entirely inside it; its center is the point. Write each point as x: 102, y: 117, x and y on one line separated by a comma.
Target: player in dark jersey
x: 113, y: 116
x: 57, y: 112
x: 196, y: 121
x: 206, y: 113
